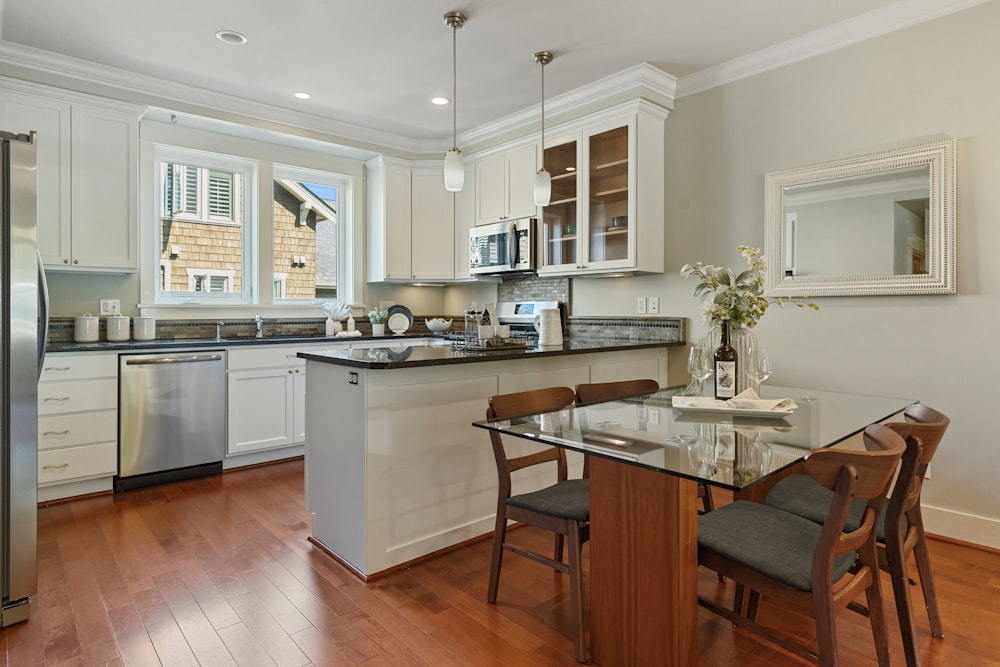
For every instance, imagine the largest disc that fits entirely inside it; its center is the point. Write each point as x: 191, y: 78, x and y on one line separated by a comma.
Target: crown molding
x: 881, y: 21
x: 644, y: 77
x: 214, y: 104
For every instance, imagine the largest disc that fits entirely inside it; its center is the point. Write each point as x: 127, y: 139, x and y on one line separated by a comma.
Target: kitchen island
x: 394, y: 469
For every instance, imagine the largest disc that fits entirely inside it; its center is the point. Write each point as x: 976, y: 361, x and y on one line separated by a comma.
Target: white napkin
x: 745, y: 400
x: 348, y: 334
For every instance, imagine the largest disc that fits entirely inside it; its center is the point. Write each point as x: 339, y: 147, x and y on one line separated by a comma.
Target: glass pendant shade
x: 454, y: 171
x: 543, y: 188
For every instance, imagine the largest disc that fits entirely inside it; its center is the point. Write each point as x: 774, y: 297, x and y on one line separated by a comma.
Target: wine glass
x: 700, y: 365
x: 760, y: 365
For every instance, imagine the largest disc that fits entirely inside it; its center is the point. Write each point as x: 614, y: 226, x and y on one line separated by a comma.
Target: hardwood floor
x: 218, y: 571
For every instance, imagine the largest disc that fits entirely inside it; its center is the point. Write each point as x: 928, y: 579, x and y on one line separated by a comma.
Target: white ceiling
x: 376, y: 63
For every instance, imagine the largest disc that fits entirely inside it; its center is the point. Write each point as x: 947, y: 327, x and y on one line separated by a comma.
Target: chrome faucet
x: 260, y: 325
x: 218, y: 329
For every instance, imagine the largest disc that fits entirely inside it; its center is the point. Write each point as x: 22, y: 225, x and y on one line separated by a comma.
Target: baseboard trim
x: 968, y: 529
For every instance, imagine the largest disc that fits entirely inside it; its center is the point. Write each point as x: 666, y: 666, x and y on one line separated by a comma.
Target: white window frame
x: 246, y: 189
x: 194, y: 274
x: 344, y: 216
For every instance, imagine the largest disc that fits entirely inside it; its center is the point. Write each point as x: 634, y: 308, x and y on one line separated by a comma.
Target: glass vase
x: 742, y: 340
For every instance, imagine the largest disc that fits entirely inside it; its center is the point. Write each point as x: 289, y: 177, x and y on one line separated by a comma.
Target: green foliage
x: 738, y: 298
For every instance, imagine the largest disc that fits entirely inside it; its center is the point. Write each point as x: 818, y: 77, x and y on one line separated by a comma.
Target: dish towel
x: 348, y: 334
x: 745, y: 400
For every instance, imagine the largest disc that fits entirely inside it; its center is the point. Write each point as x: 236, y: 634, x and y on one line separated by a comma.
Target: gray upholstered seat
x: 770, y: 541
x: 801, y: 495
x: 568, y: 500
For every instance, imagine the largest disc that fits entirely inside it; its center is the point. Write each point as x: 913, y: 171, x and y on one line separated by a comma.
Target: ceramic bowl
x: 437, y: 326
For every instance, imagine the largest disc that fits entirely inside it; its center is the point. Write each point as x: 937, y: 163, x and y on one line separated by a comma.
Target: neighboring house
x: 202, y: 235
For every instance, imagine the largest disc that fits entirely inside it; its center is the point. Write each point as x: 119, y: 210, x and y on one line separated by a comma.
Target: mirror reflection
x: 869, y: 225
x: 882, y: 223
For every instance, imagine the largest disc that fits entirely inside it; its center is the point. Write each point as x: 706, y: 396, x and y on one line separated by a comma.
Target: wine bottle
x: 725, y: 366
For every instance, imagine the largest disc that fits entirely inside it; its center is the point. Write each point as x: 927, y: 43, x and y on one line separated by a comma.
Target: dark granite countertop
x: 173, y: 343
x: 443, y: 354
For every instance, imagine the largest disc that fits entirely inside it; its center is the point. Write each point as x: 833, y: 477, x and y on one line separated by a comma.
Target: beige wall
x: 935, y: 78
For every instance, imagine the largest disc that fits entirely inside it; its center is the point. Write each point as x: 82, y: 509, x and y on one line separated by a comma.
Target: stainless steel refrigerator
x: 23, y: 323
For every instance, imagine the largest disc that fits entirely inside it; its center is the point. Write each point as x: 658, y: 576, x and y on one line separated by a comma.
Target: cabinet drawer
x: 61, y: 465
x: 80, y: 396
x: 72, y: 367
x: 272, y: 356
x: 77, y: 429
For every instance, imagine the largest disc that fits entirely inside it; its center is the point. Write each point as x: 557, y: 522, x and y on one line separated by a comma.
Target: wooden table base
x: 644, y: 567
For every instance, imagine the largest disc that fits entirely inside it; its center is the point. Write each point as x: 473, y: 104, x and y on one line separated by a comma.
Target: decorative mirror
x: 882, y: 223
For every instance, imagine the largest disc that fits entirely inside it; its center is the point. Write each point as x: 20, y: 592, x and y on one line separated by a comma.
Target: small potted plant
x: 377, y: 318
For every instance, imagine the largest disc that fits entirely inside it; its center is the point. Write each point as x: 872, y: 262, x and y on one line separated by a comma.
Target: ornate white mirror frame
x: 934, y: 162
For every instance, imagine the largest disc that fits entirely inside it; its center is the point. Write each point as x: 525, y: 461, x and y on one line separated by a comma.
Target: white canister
x: 145, y: 328
x: 548, y: 324
x: 118, y: 328
x: 86, y: 329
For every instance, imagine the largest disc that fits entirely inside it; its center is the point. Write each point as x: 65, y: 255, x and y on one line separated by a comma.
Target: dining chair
x: 597, y: 392
x: 901, y: 526
x: 815, y: 569
x: 563, y: 507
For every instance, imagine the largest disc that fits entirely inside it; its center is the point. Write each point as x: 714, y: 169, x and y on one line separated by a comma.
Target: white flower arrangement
x: 337, y: 310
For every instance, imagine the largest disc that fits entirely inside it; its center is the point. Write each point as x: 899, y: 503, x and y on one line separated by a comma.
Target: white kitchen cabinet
x: 87, y: 176
x: 465, y: 219
x: 505, y: 186
x: 411, y: 222
x: 266, y: 390
x: 606, y: 214
x: 77, y: 425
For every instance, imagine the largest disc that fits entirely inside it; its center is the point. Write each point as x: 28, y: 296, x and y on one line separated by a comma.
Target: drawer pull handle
x: 57, y: 368
x: 55, y: 466
x: 56, y: 398
x: 56, y: 432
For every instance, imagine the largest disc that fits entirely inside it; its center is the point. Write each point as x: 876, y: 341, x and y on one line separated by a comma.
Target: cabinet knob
x: 66, y: 261
x: 76, y: 261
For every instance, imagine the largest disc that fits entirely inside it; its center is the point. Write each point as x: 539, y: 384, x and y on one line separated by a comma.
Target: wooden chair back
x: 610, y: 391
x: 508, y: 406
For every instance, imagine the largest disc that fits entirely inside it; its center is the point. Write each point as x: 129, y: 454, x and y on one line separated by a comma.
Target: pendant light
x: 543, y: 181
x: 454, y: 166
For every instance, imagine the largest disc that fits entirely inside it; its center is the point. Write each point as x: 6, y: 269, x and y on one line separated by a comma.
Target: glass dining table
x: 646, y: 459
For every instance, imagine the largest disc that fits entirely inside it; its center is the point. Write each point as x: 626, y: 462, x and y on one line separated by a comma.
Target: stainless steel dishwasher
x: 172, y: 417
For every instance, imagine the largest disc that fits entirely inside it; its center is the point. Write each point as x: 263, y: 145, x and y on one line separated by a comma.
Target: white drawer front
x: 78, y: 367
x: 80, y: 396
x: 77, y: 429
x: 61, y: 465
x: 271, y: 356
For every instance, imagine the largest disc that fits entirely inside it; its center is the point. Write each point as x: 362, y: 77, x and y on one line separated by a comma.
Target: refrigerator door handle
x: 43, y: 313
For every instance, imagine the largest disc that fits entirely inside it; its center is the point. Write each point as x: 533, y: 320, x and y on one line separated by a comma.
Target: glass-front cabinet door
x: 587, y: 226
x: 607, y: 169
x: 560, y: 219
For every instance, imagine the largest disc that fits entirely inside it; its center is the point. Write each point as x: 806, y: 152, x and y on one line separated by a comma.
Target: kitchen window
x: 306, y: 232
x: 218, y: 241
x: 206, y: 226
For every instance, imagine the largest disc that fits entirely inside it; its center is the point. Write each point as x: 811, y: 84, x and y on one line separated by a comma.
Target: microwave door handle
x: 512, y: 244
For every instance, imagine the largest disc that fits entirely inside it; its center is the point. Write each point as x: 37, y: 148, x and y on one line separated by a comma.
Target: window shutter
x: 219, y: 284
x: 220, y: 195
x: 190, y: 190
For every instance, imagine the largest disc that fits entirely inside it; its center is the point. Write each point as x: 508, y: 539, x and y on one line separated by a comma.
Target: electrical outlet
x: 640, y: 412
x: 111, y: 307
x: 654, y: 305
x: 640, y: 305
x: 653, y: 415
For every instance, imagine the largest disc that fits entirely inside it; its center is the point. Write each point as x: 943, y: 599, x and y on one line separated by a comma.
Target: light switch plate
x: 111, y: 307
x: 654, y: 305
x: 640, y: 305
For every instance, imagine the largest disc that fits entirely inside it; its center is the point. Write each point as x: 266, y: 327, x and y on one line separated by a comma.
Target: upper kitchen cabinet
x: 606, y: 213
x: 87, y: 177
x: 504, y: 186
x: 411, y: 222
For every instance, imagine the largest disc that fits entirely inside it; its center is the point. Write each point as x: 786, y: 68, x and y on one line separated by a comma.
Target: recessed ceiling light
x: 303, y: 96
x: 231, y: 37
x: 440, y: 101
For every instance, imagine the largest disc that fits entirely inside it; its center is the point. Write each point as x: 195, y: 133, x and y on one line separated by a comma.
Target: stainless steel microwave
x: 502, y: 247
